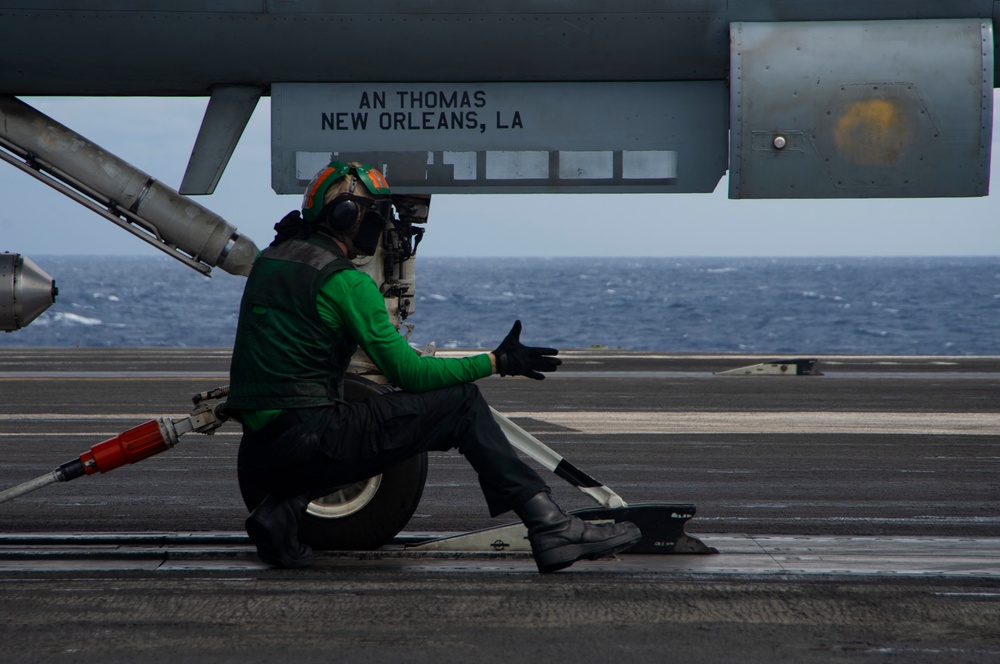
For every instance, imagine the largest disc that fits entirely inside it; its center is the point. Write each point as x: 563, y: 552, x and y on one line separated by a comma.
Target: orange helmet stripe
x: 378, y: 178
x: 319, y: 180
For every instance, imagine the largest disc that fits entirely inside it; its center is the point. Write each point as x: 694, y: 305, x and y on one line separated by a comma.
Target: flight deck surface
x: 856, y: 515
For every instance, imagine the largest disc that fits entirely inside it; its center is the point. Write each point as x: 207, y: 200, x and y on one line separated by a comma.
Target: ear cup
x: 343, y: 216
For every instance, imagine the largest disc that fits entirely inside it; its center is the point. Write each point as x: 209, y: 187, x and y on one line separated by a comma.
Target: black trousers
x: 312, y: 451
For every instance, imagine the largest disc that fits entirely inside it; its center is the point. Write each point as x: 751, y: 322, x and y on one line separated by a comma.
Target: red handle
x: 130, y: 446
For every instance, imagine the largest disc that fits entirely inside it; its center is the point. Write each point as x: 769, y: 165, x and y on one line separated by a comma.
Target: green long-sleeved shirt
x: 350, y: 302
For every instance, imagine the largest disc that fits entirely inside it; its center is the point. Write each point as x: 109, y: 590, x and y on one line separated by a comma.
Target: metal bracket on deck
x: 662, y: 525
x: 662, y: 529
x: 796, y: 367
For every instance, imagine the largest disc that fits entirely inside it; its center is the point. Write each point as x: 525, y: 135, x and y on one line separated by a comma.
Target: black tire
x: 370, y: 513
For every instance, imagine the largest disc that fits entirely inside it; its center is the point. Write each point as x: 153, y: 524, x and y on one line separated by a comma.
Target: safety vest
x: 285, y: 355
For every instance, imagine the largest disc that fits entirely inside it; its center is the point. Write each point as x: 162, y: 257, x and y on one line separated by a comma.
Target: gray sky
x: 156, y: 135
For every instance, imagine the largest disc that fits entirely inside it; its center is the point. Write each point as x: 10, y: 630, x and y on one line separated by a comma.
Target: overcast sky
x: 156, y: 135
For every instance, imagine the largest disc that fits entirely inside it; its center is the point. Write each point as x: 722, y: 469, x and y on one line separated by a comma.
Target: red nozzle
x: 130, y: 446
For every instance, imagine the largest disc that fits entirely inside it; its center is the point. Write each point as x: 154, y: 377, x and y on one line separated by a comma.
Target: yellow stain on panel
x: 873, y: 132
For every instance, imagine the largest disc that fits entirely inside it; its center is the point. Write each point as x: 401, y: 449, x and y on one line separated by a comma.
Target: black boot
x: 558, y: 539
x: 273, y: 526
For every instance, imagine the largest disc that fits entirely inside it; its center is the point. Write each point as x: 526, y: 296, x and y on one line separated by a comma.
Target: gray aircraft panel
x: 188, y: 53
x: 188, y: 47
x: 510, y: 137
x: 229, y: 110
x: 861, y: 109
x: 839, y: 10
x: 192, y: 47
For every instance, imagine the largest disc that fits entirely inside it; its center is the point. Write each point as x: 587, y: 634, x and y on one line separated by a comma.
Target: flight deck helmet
x: 351, y: 201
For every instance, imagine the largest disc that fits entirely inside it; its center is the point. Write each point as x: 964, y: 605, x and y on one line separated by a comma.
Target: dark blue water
x: 935, y: 306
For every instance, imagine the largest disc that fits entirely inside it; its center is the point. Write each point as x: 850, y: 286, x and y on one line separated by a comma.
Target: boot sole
x: 562, y: 557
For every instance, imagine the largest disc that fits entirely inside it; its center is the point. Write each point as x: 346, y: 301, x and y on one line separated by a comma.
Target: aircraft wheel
x: 367, y: 514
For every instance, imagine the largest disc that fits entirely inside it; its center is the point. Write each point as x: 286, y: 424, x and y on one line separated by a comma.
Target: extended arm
x: 351, y: 303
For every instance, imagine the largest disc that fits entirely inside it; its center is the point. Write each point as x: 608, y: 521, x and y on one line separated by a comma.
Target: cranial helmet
x: 351, y: 202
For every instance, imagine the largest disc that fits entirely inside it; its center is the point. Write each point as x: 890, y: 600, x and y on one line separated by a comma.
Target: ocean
x: 800, y: 306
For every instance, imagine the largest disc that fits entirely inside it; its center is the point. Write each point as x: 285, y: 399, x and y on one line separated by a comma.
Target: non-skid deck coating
x: 857, y: 514
x: 739, y: 555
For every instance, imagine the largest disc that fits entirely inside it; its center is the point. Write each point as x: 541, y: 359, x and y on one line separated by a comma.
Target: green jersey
x: 303, y: 313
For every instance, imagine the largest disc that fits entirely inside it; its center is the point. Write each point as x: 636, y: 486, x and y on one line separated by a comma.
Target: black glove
x: 516, y: 359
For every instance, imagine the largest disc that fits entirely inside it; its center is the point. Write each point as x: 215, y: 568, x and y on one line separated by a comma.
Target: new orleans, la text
x: 420, y: 110
x: 416, y: 120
